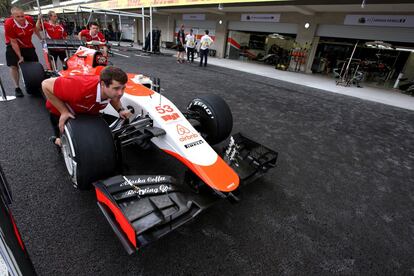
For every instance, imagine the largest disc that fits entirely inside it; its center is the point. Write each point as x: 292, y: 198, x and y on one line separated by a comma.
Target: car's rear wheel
x: 88, y: 150
x: 216, y: 120
x: 32, y: 74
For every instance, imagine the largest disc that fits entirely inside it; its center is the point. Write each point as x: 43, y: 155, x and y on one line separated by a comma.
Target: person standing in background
x: 53, y: 31
x: 205, y: 43
x: 180, y: 45
x: 190, y: 44
x: 18, y: 32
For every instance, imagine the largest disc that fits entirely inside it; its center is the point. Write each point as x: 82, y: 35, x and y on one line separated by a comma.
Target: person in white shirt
x: 190, y: 45
x: 205, y: 43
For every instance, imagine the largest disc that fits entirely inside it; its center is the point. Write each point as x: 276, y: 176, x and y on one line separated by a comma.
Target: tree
x: 4, y: 8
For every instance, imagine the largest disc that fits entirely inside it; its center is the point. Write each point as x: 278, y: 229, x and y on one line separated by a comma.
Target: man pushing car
x: 68, y: 96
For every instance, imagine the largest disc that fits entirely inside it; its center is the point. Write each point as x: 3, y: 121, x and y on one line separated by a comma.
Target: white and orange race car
x: 142, y: 208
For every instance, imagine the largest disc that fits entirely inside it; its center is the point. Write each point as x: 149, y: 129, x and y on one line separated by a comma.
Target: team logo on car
x: 182, y: 130
x: 185, y: 133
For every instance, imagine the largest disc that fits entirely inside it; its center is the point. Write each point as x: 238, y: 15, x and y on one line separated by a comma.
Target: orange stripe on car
x: 120, y: 218
x: 218, y: 176
x: 136, y: 89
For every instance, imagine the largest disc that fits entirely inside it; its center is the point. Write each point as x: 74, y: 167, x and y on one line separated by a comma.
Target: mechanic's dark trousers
x: 54, y: 120
x: 190, y: 53
x: 203, y: 55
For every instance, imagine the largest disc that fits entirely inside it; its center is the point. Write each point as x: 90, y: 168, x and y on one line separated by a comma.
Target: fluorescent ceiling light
x: 379, y: 45
x: 405, y: 50
x: 276, y: 36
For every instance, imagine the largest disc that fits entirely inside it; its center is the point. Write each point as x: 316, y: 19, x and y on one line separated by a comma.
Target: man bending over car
x: 68, y: 96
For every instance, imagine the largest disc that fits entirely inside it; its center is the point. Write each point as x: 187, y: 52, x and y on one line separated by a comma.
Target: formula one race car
x: 142, y: 208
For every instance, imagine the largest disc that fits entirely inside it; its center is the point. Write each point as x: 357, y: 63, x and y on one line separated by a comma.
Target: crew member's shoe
x: 53, y: 140
x: 18, y: 92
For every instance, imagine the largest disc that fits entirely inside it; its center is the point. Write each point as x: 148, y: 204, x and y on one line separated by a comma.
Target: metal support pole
x: 90, y: 17
x: 5, y: 98
x: 143, y: 27
x: 150, y: 11
x: 168, y: 28
x: 120, y: 30
x: 349, y: 62
x: 41, y: 19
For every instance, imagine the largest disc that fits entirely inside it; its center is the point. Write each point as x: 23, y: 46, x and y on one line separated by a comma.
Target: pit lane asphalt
x: 341, y: 200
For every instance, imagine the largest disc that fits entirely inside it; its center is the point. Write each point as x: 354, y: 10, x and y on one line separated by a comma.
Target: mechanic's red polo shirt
x: 23, y: 34
x: 81, y: 94
x: 99, y: 37
x: 54, y: 31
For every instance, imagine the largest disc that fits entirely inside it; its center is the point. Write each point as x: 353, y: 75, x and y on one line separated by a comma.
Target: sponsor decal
x: 148, y: 180
x: 380, y: 20
x: 170, y: 117
x: 193, y: 144
x: 232, y: 151
x: 138, y: 191
x: 181, y: 130
x: 185, y: 133
x: 205, y: 107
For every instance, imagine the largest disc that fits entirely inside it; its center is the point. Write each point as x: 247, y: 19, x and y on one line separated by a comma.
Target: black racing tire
x: 32, y: 74
x: 88, y: 150
x: 216, y: 120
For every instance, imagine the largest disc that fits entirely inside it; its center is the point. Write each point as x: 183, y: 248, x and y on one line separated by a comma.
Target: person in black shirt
x: 180, y: 45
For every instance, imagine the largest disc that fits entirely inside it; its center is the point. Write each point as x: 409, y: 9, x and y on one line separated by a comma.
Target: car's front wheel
x: 88, y: 150
x: 214, y: 115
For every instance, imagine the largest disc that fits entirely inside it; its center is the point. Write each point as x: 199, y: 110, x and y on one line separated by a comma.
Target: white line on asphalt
x: 142, y: 56
x: 1, y: 64
x: 121, y: 55
x: 115, y: 50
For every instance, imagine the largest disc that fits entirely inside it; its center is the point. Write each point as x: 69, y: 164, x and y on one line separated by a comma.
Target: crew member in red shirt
x: 68, y: 96
x: 93, y: 34
x: 18, y: 31
x: 53, y: 31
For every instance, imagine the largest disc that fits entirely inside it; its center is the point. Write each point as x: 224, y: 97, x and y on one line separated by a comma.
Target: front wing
x: 143, y: 208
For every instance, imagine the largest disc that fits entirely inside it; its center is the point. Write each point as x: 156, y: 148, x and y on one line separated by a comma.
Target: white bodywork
x: 180, y: 138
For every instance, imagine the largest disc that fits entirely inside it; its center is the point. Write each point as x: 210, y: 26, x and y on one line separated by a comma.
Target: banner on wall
x: 260, y: 17
x: 132, y: 4
x: 380, y: 20
x: 199, y: 17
